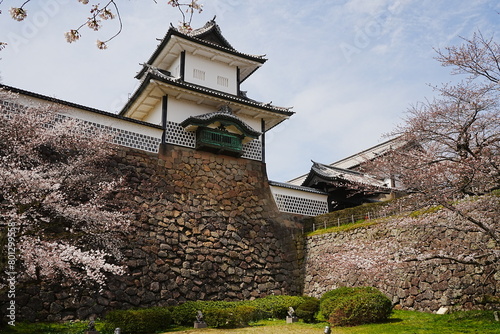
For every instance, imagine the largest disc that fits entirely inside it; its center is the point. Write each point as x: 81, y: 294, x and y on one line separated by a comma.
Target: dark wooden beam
x: 183, y: 65
x: 238, y: 91
x: 263, y: 139
x: 164, y: 108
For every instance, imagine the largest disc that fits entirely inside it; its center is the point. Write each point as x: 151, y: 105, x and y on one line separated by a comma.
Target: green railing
x: 219, y: 141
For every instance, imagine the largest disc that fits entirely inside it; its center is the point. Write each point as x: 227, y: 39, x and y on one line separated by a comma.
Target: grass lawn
x: 401, y: 322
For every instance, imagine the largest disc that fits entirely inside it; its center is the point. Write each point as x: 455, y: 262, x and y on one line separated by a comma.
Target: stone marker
x: 200, y: 323
x: 91, y: 328
x: 291, y: 318
x: 442, y: 310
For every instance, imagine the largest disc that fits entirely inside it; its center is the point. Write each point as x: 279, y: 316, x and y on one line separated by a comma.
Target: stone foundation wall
x: 206, y: 228
x: 393, y: 255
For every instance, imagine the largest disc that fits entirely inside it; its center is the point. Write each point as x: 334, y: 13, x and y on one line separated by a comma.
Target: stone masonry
x: 206, y: 228
x: 392, y: 255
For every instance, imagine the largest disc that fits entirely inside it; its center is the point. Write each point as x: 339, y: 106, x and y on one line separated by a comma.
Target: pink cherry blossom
x: 56, y: 194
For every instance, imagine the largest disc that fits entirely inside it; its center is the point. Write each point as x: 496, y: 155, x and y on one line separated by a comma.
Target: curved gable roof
x: 222, y: 117
x: 208, y: 36
x: 330, y: 174
x: 211, y: 33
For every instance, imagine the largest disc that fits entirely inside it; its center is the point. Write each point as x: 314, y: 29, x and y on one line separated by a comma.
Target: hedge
x: 308, y: 309
x: 215, y: 313
x: 147, y: 321
x: 355, y: 306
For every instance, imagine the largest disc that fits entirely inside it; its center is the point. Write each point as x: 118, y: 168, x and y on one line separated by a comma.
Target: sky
x: 349, y: 68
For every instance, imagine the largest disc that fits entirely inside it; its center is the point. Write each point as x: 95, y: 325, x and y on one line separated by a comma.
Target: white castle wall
x: 299, y: 202
x: 140, y: 135
x: 210, y: 73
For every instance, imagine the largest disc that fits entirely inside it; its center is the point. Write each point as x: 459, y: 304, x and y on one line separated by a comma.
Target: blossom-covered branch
x: 190, y: 8
x: 478, y: 56
x: 55, y: 191
x: 109, y: 11
x: 94, y: 22
x: 451, y: 159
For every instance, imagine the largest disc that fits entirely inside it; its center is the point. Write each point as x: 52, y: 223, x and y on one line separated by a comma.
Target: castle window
x: 222, y: 81
x: 198, y: 74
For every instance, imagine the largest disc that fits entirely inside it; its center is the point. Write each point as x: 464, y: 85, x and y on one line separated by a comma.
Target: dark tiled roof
x: 211, y: 33
x: 198, y: 36
x: 206, y: 119
x: 330, y: 173
x: 154, y: 73
x: 75, y: 105
x: 295, y: 187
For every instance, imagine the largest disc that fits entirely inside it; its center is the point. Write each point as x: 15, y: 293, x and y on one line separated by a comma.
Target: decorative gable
x: 206, y: 42
x: 220, y: 131
x: 185, y: 83
x: 211, y: 33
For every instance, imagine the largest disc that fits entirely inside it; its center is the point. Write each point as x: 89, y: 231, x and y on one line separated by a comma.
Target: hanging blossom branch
x: 2, y: 44
x: 56, y: 190
x: 19, y: 13
x: 460, y: 258
x: 94, y: 22
x: 99, y: 13
x: 191, y: 7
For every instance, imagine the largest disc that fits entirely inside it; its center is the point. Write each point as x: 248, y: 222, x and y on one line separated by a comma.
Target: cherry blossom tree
x: 479, y: 57
x: 452, y: 155
x: 56, y: 200
x: 109, y: 10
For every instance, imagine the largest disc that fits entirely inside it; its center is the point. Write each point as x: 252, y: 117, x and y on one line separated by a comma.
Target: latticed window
x: 219, y: 141
x: 198, y: 74
x: 222, y: 81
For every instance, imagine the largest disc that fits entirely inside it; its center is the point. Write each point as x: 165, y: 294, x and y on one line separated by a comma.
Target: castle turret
x: 191, y: 87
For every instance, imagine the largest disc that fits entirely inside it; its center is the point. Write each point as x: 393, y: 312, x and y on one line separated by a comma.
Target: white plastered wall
x: 210, y: 73
x: 299, y: 202
x: 178, y: 110
x: 123, y: 132
x: 175, y: 68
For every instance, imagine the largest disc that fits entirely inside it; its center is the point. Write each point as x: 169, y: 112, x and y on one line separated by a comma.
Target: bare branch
x: 479, y: 57
x: 468, y: 261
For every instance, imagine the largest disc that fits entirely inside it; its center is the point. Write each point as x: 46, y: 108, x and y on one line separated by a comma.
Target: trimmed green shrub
x: 215, y: 313
x: 342, y: 291
x: 185, y: 314
x: 308, y: 309
x: 148, y: 320
x: 275, y: 306
x: 217, y: 317
x: 236, y: 316
x: 71, y: 327
x: 245, y: 314
x: 355, y: 306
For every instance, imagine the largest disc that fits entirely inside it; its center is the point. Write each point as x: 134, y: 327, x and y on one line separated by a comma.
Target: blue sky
x: 350, y: 69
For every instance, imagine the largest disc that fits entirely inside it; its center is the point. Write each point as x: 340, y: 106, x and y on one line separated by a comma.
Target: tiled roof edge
x: 75, y: 105
x: 153, y: 73
x: 295, y: 187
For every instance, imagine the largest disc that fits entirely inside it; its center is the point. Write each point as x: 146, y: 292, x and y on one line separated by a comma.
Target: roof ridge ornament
x: 226, y: 109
